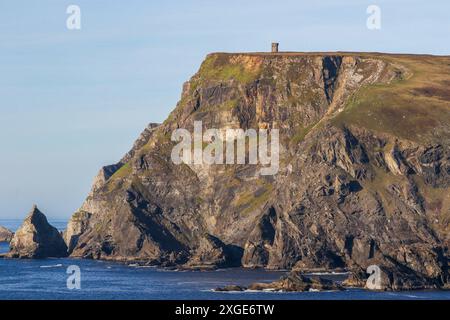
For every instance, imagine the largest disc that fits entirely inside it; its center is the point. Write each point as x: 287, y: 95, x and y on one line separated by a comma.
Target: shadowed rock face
x: 364, y: 171
x: 5, y: 234
x: 295, y: 281
x: 292, y: 282
x: 36, y: 238
x: 76, y: 226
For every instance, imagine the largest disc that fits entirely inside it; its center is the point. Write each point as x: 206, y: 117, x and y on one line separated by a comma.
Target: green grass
x: 223, y: 67
x: 300, y: 134
x: 79, y: 216
x: 163, y: 139
x: 228, y: 105
x: 118, y: 177
x: 124, y: 171
x: 251, y: 200
x: 415, y: 108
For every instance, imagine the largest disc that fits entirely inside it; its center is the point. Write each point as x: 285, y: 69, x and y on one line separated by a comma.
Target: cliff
x: 364, y: 172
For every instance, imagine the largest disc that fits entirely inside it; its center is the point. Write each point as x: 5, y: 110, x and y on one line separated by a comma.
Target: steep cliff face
x: 364, y: 171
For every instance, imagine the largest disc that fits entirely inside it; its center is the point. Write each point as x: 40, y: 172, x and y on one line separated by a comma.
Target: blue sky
x: 73, y: 101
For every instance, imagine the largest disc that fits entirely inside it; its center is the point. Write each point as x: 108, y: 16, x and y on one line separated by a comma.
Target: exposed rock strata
x: 364, y: 172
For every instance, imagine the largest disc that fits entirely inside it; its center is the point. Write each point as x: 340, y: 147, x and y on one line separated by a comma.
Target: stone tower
x: 275, y: 47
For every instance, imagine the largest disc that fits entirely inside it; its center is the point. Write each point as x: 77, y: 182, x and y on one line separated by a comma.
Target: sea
x: 52, y: 279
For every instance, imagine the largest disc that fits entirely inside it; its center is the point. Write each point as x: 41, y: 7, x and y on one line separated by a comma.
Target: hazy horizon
x: 75, y: 100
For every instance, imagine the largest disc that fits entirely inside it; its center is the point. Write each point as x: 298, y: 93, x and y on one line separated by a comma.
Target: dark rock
x: 295, y: 281
x: 213, y: 253
x: 355, y: 280
x: 230, y: 288
x: 393, y: 277
x: 292, y: 282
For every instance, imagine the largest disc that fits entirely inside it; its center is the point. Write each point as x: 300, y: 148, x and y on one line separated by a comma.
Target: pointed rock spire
x: 36, y: 238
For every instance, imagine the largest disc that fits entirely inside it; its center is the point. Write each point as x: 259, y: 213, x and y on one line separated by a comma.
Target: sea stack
x: 37, y: 239
x: 5, y: 234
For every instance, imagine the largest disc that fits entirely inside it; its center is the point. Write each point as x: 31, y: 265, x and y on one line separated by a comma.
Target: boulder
x: 36, y: 238
x: 292, y: 282
x: 295, y: 281
x: 230, y: 288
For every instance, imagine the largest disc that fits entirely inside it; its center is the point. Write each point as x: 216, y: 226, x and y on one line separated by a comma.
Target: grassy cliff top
x: 329, y: 53
x: 415, y: 107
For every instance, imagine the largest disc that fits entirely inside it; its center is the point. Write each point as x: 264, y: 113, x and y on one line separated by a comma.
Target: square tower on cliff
x: 275, y: 47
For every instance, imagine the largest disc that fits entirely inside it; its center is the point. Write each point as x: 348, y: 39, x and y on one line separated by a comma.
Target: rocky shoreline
x: 292, y: 282
x: 37, y: 239
x: 31, y: 241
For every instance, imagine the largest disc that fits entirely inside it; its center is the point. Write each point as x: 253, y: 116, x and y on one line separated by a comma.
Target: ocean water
x: 14, y: 224
x: 47, y: 279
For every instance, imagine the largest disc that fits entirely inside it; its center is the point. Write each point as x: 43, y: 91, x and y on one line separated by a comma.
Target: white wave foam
x: 52, y: 266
